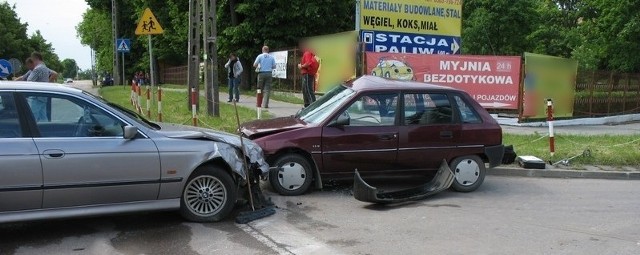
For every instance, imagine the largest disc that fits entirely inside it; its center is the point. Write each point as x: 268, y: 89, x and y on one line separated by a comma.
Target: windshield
x: 319, y: 110
x: 134, y: 115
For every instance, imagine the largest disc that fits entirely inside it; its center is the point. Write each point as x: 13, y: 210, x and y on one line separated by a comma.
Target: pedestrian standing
x: 234, y: 69
x: 265, y: 64
x: 140, y: 78
x: 308, y: 68
x: 40, y: 73
x: 30, y: 65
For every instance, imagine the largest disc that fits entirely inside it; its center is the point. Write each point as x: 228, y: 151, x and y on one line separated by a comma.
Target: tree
x: 498, y: 27
x: 609, y: 34
x: 95, y: 31
x: 14, y: 39
x: 557, y: 32
x: 39, y: 44
x: 70, y: 68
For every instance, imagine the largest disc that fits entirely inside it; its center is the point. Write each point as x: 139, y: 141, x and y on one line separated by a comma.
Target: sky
x: 56, y: 20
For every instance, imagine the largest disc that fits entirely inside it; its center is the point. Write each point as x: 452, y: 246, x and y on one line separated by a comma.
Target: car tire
x: 209, y: 195
x: 469, y: 172
x: 374, y: 73
x: 387, y: 75
x: 292, y: 175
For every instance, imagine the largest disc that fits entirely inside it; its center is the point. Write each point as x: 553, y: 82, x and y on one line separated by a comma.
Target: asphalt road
x: 505, y: 216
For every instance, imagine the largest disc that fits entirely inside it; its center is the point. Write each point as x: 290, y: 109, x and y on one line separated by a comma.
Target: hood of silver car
x: 251, y: 149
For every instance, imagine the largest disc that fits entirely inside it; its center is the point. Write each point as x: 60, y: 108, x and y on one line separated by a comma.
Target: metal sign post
x: 149, y: 25
x: 151, y: 69
x: 123, y: 46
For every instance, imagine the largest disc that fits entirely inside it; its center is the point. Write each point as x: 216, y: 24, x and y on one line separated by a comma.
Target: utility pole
x: 209, y: 37
x: 114, y: 27
x: 193, y: 66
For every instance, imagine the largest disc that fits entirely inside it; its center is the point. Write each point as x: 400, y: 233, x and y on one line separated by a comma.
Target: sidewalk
x: 276, y: 108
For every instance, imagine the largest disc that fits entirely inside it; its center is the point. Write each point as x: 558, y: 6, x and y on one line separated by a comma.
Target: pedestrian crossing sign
x: 148, y: 24
x: 123, y: 45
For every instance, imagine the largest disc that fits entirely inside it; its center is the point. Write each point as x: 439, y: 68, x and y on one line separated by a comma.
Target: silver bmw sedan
x: 66, y: 153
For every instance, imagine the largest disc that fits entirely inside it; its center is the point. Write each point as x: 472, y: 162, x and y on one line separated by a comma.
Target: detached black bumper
x: 367, y: 193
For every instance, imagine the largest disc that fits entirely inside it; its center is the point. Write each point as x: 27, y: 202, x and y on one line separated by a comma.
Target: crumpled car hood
x: 228, y: 153
x: 271, y: 126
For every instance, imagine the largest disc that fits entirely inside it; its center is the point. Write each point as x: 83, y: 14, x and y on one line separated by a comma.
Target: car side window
x: 63, y: 116
x: 373, y: 110
x: 9, y: 122
x: 427, y: 109
x: 467, y: 114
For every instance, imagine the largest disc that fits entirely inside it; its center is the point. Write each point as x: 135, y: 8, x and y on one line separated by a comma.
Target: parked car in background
x: 380, y: 127
x: 68, y: 80
x: 67, y: 153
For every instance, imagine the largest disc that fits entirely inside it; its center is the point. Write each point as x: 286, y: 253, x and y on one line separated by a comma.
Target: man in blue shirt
x: 265, y: 64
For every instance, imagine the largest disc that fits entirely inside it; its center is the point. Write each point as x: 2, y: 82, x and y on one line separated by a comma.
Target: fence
x: 173, y: 75
x: 606, y: 93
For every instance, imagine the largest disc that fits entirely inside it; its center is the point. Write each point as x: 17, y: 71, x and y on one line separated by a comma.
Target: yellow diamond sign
x: 148, y: 24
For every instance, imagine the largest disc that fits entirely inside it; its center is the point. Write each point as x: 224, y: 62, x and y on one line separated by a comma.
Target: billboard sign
x: 493, y: 81
x: 336, y: 54
x: 281, y: 64
x: 548, y: 77
x: 376, y: 41
x: 443, y: 17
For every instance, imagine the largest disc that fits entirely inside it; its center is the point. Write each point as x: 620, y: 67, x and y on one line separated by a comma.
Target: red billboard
x: 493, y: 81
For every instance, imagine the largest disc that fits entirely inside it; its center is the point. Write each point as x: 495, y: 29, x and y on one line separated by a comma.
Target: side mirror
x: 130, y: 132
x: 342, y: 120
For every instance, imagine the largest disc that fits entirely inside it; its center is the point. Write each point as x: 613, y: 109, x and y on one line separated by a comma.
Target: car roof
x: 39, y: 86
x: 369, y: 82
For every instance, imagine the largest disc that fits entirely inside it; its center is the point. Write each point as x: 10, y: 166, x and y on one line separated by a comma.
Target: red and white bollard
x: 159, y: 104
x: 259, y: 102
x: 193, y: 107
x: 552, y: 142
x: 148, y: 101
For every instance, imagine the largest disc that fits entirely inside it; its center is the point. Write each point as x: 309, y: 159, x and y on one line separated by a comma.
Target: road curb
x: 562, y: 173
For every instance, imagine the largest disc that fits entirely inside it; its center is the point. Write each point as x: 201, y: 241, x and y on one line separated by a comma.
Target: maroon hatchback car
x: 380, y: 127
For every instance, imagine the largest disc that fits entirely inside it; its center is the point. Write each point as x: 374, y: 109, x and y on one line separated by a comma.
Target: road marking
x: 285, y: 238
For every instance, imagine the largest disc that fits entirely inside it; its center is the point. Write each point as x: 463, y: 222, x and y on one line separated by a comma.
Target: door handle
x: 387, y: 137
x: 54, y: 153
x: 446, y: 134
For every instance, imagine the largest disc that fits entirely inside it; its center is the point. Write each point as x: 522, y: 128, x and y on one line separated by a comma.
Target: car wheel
x: 387, y: 75
x: 292, y: 175
x: 374, y: 73
x: 208, y: 196
x: 469, y: 173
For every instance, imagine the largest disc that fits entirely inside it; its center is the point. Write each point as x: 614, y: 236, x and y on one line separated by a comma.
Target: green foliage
x: 610, y: 31
x: 14, y: 40
x: 39, y: 44
x: 17, y: 44
x: 70, y: 68
x: 600, y: 34
x: 95, y: 32
x: 556, y: 33
x: 174, y: 105
x: 498, y: 27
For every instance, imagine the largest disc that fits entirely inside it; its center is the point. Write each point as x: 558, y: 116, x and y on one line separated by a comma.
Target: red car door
x: 369, y: 142
x: 428, y: 133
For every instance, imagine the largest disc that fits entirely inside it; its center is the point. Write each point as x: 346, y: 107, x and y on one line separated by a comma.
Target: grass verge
x: 176, y: 110
x: 605, y: 149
